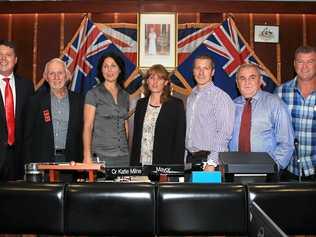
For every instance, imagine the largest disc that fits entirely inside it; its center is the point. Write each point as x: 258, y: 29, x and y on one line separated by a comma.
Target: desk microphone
x: 296, y: 143
x: 296, y: 149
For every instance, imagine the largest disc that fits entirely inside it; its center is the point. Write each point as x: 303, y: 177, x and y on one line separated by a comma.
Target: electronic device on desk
x: 247, y: 167
x: 261, y: 225
x: 164, y: 172
x: 195, y: 161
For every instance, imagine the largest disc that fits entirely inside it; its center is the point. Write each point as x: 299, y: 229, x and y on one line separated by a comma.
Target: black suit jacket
x: 39, y: 136
x: 23, y: 90
x: 169, y: 132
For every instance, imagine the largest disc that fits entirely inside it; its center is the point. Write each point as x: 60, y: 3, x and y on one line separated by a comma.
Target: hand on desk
x: 208, y: 167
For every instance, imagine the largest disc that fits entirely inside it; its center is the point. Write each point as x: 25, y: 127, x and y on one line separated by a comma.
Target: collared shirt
x: 60, y: 117
x: 109, y: 135
x: 271, y: 129
x: 210, y: 119
x: 12, y: 84
x: 303, y: 112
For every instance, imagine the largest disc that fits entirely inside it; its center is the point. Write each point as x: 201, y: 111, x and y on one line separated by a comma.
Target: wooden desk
x: 53, y: 169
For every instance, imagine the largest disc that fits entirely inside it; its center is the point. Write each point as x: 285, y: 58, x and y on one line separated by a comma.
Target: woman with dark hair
x: 159, y: 123
x: 105, y: 115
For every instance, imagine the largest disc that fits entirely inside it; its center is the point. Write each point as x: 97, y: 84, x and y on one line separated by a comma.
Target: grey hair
x: 68, y: 74
x: 251, y: 65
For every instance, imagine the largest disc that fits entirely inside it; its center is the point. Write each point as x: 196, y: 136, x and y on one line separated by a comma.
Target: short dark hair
x: 207, y: 57
x: 120, y: 63
x: 9, y: 44
x: 304, y: 49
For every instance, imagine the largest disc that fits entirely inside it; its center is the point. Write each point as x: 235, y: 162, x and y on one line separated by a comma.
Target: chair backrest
x: 110, y: 209
x: 292, y: 206
x: 201, y: 209
x: 31, y: 208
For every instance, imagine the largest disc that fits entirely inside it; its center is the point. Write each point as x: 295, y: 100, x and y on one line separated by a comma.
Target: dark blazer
x: 169, y: 132
x: 39, y: 136
x: 24, y: 90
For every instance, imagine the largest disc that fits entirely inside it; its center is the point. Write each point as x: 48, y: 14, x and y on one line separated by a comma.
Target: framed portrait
x: 157, y: 39
x: 266, y: 34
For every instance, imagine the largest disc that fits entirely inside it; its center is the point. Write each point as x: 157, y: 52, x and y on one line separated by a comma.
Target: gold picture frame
x: 157, y: 39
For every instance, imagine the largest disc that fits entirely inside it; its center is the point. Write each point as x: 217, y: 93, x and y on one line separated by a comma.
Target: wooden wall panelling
x: 110, y: 6
x: 211, y: 17
x: 103, y: 17
x: 22, y: 35
x: 4, y: 26
x: 266, y: 52
x: 310, y: 29
x: 115, y: 17
x: 71, y: 25
x: 242, y: 23
x: 291, y: 34
x: 48, y: 40
x: 188, y: 17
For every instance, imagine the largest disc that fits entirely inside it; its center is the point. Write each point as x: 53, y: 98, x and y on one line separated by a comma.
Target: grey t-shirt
x: 109, y: 135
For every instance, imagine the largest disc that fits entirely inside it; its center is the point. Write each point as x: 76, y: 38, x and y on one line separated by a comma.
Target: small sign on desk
x: 206, y: 177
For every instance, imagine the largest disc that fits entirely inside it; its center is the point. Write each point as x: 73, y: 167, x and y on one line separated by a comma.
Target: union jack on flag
x: 190, y: 36
x: 83, y: 52
x: 124, y: 36
x: 229, y: 50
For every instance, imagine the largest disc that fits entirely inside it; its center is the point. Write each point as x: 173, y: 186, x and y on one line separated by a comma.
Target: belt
x: 60, y: 152
x: 201, y: 153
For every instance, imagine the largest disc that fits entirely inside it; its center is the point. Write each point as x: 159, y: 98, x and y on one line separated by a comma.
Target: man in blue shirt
x: 270, y: 127
x: 300, y: 96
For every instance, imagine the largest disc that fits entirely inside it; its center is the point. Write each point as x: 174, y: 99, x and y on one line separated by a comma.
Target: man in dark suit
x: 54, y: 121
x: 15, y: 93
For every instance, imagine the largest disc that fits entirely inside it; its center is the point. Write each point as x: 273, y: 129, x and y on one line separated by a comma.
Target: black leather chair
x: 292, y: 206
x: 31, y: 208
x: 201, y: 209
x: 110, y: 209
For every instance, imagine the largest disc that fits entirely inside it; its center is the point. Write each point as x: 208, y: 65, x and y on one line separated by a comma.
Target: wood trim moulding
x: 209, y: 6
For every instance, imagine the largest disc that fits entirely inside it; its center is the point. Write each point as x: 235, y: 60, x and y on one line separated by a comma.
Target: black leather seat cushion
x: 31, y: 208
x: 203, y: 209
x: 110, y: 209
x: 292, y: 206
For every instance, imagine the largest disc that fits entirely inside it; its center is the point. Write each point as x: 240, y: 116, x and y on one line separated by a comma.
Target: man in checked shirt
x: 210, y: 115
x: 300, y: 96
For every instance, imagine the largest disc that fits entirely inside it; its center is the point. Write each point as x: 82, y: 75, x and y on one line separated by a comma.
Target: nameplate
x: 125, y: 171
x: 164, y: 169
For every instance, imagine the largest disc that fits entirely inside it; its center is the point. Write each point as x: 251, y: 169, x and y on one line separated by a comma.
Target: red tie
x: 245, y: 127
x: 9, y: 111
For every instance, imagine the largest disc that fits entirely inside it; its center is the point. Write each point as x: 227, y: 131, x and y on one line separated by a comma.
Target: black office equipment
x: 247, y: 167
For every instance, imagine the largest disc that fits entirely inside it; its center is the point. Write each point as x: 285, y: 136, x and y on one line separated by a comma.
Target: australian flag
x: 83, y: 52
x: 228, y: 50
